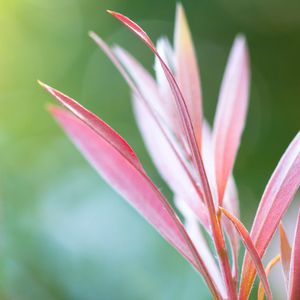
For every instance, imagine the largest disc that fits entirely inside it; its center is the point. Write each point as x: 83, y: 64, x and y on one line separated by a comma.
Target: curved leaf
x: 162, y: 146
x: 271, y: 264
x: 276, y: 199
x: 96, y: 123
x: 186, y: 70
x: 193, y: 229
x: 246, y: 239
x: 130, y: 181
x: 294, y: 277
x: 231, y: 113
x: 285, y: 252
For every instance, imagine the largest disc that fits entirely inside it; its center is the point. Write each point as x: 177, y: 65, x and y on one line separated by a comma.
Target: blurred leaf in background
x: 64, y: 233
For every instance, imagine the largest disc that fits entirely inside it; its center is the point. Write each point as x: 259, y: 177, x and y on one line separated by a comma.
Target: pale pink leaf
x: 231, y: 204
x: 193, y: 229
x: 93, y: 121
x: 168, y: 159
x: 186, y: 70
x: 230, y: 197
x: 294, y: 277
x: 132, y: 183
x: 277, y: 197
x: 167, y: 54
x: 246, y: 239
x: 180, y: 102
x: 167, y: 162
x: 194, y: 150
x: 231, y: 113
x: 145, y: 83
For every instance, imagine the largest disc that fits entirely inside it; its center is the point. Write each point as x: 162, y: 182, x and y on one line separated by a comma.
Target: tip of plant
x: 42, y: 84
x: 110, y: 11
x: 91, y: 34
x: 179, y: 6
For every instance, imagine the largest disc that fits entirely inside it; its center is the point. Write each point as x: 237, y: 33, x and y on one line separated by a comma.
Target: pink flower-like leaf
x: 100, y: 144
x: 245, y: 237
x: 231, y: 113
x: 162, y: 146
x: 277, y: 197
x: 186, y: 70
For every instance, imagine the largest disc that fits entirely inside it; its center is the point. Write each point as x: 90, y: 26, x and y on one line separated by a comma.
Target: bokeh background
x: 64, y: 233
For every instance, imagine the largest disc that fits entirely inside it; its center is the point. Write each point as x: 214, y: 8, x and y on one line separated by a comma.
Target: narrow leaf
x: 230, y: 198
x: 231, y: 113
x: 180, y: 102
x: 246, y: 239
x: 186, y: 70
x: 193, y: 229
x: 159, y: 141
x: 231, y: 204
x: 271, y: 264
x: 130, y: 181
x: 285, y: 251
x: 294, y: 277
x: 277, y: 197
x: 96, y: 123
x: 167, y: 162
x: 194, y: 150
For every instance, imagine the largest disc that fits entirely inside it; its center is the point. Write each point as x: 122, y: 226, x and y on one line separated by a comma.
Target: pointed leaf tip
x: 276, y: 199
x: 285, y: 251
x: 231, y: 112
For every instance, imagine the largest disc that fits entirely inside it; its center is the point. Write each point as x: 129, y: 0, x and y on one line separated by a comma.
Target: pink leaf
x: 194, y: 150
x: 245, y: 237
x: 186, y: 70
x: 294, y: 277
x: 180, y: 102
x: 231, y: 113
x: 230, y: 197
x: 166, y: 52
x: 231, y: 204
x: 193, y: 229
x: 285, y: 251
x: 276, y: 199
x: 271, y: 264
x: 127, y: 177
x: 96, y: 123
x: 167, y: 162
x: 162, y: 146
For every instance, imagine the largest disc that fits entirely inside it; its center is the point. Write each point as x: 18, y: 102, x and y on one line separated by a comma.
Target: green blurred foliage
x: 64, y: 233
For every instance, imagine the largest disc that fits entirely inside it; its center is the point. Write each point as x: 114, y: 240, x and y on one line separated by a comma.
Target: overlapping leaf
x: 126, y: 177
x: 276, y: 199
x: 231, y: 113
x: 245, y: 237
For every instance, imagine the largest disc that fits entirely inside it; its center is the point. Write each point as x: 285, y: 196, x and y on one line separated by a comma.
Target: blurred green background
x: 64, y: 233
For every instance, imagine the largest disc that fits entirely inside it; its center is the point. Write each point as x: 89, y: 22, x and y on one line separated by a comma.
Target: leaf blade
x: 294, y: 276
x: 277, y: 196
x: 132, y: 182
x: 186, y: 70
x: 285, y: 251
x: 246, y: 239
x: 271, y: 264
x: 231, y: 113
